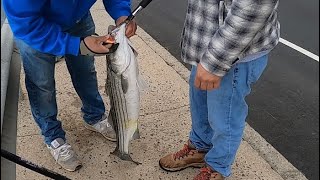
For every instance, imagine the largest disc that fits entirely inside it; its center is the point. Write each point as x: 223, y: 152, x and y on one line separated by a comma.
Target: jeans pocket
x: 256, y: 68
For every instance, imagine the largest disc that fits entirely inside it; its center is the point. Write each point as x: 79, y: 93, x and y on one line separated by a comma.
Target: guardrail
x: 10, y: 78
x: 6, y: 55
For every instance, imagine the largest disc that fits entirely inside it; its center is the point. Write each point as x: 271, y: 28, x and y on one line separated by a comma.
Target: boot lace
x: 206, y: 173
x: 186, y: 151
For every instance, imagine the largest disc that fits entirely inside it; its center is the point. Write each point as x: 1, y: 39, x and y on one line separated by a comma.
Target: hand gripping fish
x: 123, y: 86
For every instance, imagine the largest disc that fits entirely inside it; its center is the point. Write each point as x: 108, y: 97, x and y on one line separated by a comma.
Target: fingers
x: 204, y: 80
x: 197, y: 83
x: 103, y: 44
x: 216, y: 85
x: 105, y: 48
x: 205, y: 85
x: 210, y: 86
x: 95, y: 45
x: 99, y: 48
x: 101, y: 39
x: 131, y: 29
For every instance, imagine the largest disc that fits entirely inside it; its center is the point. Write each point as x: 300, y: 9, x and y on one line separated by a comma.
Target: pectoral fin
x: 124, y: 84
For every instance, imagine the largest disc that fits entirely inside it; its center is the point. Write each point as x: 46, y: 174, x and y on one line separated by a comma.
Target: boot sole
x: 194, y: 165
x: 108, y: 138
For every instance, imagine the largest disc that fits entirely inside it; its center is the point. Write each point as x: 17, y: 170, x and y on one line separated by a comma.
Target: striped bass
x: 122, y: 86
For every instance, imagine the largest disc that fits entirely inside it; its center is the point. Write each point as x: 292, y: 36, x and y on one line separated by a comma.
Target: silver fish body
x: 123, y: 89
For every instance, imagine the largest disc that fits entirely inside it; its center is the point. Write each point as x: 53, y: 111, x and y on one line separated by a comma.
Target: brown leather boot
x: 186, y: 157
x: 207, y: 173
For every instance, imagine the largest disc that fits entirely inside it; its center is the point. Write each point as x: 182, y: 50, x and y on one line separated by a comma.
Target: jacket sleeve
x: 243, y: 21
x: 28, y: 24
x: 117, y: 8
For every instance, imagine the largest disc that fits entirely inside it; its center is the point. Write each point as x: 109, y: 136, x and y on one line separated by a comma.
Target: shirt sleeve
x: 28, y: 24
x: 117, y: 8
x: 243, y: 22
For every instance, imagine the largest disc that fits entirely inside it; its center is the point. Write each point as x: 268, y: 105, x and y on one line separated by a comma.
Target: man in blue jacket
x: 45, y: 29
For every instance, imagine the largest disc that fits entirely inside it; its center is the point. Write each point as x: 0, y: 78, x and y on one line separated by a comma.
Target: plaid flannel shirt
x: 219, y: 33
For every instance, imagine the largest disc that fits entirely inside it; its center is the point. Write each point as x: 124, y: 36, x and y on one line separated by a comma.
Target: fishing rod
x: 27, y: 164
x: 143, y: 4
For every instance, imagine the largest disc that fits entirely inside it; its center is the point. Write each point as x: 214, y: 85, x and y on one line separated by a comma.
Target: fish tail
x: 124, y: 156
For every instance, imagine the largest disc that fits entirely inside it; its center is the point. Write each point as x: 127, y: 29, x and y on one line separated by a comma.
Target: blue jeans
x: 218, y: 116
x: 40, y: 83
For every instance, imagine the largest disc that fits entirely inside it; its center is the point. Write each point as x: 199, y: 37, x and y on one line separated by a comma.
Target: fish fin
x: 136, y: 135
x: 124, y: 156
x: 141, y: 83
x: 110, y: 119
x: 133, y: 50
x: 124, y: 84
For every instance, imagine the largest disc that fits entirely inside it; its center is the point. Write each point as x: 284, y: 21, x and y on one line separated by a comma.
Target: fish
x: 123, y: 89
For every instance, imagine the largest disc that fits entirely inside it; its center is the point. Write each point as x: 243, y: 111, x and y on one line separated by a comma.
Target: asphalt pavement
x: 284, y: 104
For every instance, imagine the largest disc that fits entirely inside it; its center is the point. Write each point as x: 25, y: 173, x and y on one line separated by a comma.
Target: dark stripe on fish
x: 119, y: 115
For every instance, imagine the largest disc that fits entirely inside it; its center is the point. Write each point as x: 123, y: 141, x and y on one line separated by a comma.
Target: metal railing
x: 6, y: 55
x: 10, y: 78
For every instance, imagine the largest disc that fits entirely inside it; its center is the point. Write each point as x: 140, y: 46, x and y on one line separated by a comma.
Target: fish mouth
x: 113, y: 48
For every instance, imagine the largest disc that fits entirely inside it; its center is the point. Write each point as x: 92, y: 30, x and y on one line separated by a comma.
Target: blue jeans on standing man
x: 40, y: 83
x: 218, y: 116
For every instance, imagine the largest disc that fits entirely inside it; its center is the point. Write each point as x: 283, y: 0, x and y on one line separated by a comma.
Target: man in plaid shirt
x: 227, y: 42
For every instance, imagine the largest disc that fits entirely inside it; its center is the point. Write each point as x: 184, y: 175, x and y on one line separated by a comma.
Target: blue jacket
x: 40, y: 23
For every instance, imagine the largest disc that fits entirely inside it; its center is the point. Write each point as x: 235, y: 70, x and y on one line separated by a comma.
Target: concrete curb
x: 277, y: 161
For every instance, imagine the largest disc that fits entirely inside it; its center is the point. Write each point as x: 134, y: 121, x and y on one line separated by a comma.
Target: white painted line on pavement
x: 300, y: 49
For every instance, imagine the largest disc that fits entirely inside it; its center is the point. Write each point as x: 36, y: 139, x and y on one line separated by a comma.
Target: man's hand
x: 95, y: 45
x: 131, y: 27
x: 205, y: 80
